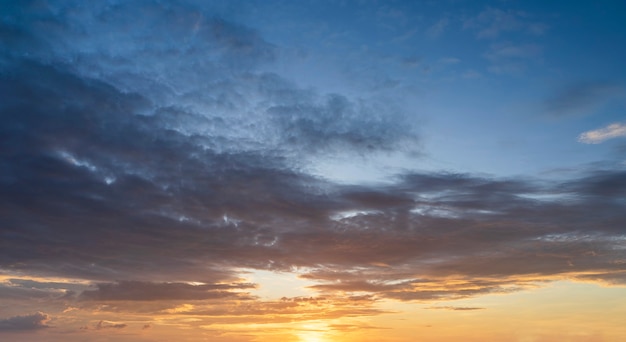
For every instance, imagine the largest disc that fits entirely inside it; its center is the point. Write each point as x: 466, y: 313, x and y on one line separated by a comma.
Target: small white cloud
x: 614, y: 130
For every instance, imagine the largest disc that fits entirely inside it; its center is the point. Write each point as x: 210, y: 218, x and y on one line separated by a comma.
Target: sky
x: 312, y: 171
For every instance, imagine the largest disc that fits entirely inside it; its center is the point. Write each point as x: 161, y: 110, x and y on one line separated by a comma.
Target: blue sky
x: 168, y: 157
x: 502, y: 88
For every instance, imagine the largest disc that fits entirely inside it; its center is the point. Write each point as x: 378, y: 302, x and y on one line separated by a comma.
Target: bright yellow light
x: 313, y: 332
x: 274, y: 285
x: 311, y: 337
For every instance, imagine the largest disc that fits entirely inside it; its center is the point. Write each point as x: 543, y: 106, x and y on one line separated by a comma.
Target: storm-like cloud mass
x: 147, y: 150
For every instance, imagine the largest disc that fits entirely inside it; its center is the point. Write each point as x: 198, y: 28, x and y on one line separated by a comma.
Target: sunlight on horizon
x: 314, y: 332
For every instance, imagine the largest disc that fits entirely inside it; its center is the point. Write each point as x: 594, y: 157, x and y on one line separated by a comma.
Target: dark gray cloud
x: 101, y: 160
x: 26, y: 322
x: 144, y: 291
x: 26, y: 289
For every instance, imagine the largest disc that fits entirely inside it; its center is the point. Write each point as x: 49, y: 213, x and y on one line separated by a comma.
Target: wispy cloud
x: 503, y: 52
x: 596, y: 136
x: 507, y: 58
x: 493, y: 22
x: 455, y: 308
x: 437, y: 29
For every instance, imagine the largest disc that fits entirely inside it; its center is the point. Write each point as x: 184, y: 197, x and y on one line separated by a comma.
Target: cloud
x: 611, y: 278
x: 339, y: 121
x: 353, y: 327
x: 455, y: 308
x: 144, y: 291
x: 492, y: 23
x: 289, y: 308
x: 583, y: 98
x: 181, y: 160
x: 596, y: 136
x: 426, y: 227
x: 25, y: 289
x: 503, y: 52
x: 397, y: 287
x: 600, y: 185
x: 411, y: 61
x: 87, y: 150
x: 507, y: 58
x: 200, y: 73
x: 26, y: 322
x: 438, y: 28
x: 471, y: 74
x: 109, y: 325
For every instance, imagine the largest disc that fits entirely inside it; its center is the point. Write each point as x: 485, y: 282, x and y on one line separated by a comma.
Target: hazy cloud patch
x: 583, y: 98
x: 492, y: 23
x: 437, y: 29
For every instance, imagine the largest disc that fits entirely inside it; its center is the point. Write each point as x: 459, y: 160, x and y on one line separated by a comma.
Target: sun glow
x: 313, y: 332
x: 273, y: 285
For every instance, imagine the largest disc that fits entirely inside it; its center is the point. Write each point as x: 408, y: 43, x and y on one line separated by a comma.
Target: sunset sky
x: 312, y: 171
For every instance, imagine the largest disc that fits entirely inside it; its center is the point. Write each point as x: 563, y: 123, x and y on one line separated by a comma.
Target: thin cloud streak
x: 596, y: 136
